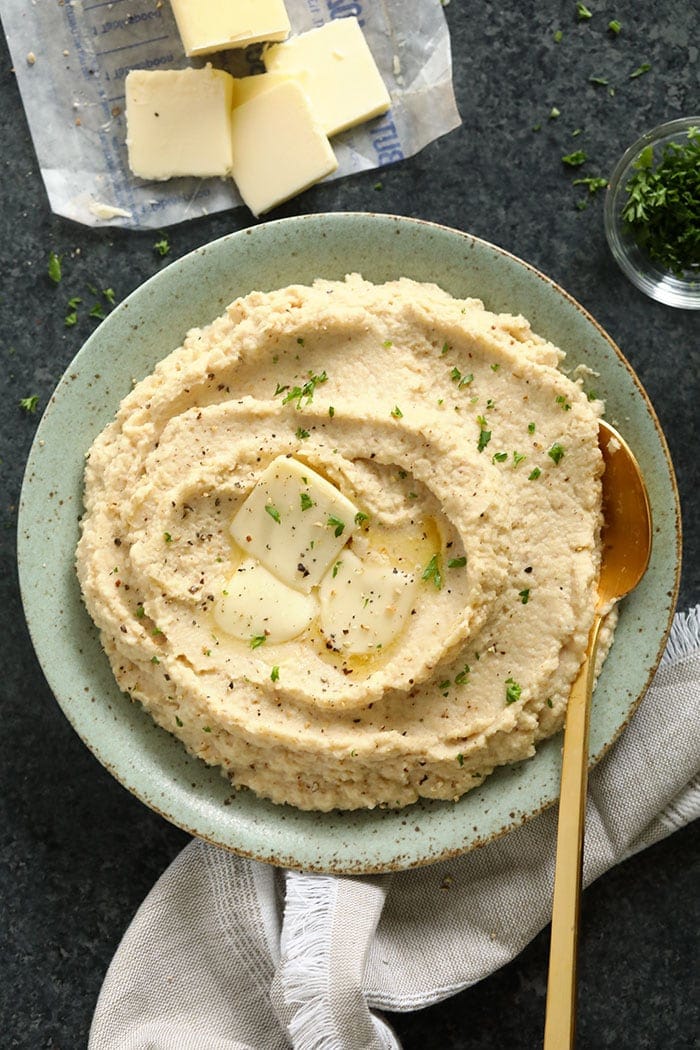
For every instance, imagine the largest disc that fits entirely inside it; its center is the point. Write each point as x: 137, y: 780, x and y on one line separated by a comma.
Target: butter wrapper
x: 71, y: 58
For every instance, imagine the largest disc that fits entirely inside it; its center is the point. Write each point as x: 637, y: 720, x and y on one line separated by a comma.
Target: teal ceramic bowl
x: 145, y: 328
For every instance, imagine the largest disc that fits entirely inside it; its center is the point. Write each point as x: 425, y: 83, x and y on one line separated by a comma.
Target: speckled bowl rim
x: 149, y: 762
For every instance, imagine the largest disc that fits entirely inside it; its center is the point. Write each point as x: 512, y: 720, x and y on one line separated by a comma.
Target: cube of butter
x: 341, y: 77
x: 279, y: 148
x: 178, y: 122
x: 219, y: 25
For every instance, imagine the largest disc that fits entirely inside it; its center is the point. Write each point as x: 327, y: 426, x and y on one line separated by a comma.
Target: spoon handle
x: 560, y: 1018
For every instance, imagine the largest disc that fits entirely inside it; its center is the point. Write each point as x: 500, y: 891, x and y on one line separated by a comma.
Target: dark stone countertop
x: 78, y: 854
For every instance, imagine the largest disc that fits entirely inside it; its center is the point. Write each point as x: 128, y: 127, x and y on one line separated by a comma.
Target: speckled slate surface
x: 78, y: 853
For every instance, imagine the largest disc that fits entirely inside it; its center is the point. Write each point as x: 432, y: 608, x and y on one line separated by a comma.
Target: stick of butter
x: 341, y: 78
x: 178, y: 122
x: 279, y: 148
x: 219, y: 25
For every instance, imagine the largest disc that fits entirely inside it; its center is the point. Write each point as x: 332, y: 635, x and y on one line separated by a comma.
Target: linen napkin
x: 230, y: 954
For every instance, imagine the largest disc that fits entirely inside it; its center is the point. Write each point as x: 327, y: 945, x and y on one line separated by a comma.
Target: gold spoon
x: 626, y: 548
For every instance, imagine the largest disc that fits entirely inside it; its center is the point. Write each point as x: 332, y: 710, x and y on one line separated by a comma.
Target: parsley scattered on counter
x: 257, y: 641
x: 614, y: 26
x: 513, y: 691
x: 594, y: 183
x: 54, y: 267
x: 662, y: 212
x: 97, y: 312
x: 71, y: 318
x: 554, y: 113
x: 109, y: 295
x: 583, y: 13
x: 556, y: 452
x: 162, y: 247
x: 640, y: 70
x: 273, y: 512
x: 575, y: 159
x: 558, y: 36
x: 432, y: 572
x: 29, y: 404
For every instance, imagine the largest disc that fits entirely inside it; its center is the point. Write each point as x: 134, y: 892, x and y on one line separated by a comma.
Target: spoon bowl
x: 626, y: 539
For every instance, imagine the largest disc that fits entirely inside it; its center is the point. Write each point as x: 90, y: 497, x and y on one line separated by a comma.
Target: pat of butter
x: 178, y: 122
x: 254, y: 604
x: 279, y: 148
x: 295, y: 522
x: 342, y: 81
x: 364, y: 604
x: 218, y: 25
x: 245, y: 88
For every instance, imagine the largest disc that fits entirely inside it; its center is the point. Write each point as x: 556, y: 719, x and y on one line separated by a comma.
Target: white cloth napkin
x: 230, y: 954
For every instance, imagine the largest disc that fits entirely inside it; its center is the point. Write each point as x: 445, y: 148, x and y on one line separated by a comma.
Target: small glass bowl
x: 645, y: 273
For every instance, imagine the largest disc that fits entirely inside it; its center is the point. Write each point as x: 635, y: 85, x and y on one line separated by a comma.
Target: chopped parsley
x: 561, y: 400
x: 575, y: 159
x: 257, y: 641
x: 524, y: 595
x: 140, y: 612
x: 97, y: 312
x: 531, y: 428
x: 499, y: 457
x: 600, y: 81
x: 300, y: 341
x: 155, y: 660
x: 484, y: 434
x: 109, y: 295
x: 513, y: 691
x: 457, y: 563
x: 336, y: 567
x: 583, y: 13
x: 336, y: 524
x: 556, y: 452
x: 302, y: 434
x: 387, y: 343
x: 640, y: 70
x: 534, y: 474
x: 29, y: 404
x: 463, y: 675
x: 460, y: 759
x: 361, y: 517
x: 614, y: 26
x: 558, y: 36
x: 54, y: 268
x: 554, y: 113
x: 461, y: 380
x: 305, y: 501
x: 273, y: 512
x: 331, y: 411
x: 179, y: 722
x: 518, y: 457
x: 167, y: 537
x: 275, y: 673
x: 305, y: 391
x: 162, y: 247
x: 662, y: 212
x: 396, y: 412
x: 594, y: 183
x: 432, y: 572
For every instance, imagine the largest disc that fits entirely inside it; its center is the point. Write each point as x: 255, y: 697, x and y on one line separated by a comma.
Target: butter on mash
x: 344, y: 542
